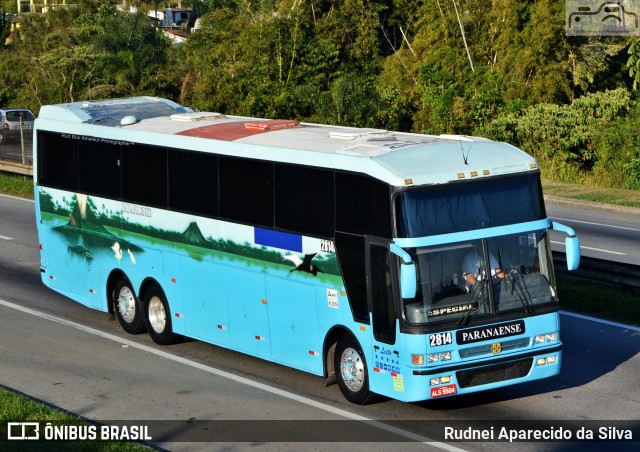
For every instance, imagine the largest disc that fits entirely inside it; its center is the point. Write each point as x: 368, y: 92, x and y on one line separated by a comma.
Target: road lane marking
x: 236, y: 378
x: 605, y: 322
x: 582, y: 247
x: 598, y: 224
x: 4, y: 237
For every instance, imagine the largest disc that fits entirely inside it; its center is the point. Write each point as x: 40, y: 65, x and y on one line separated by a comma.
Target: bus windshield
x: 482, y: 278
x: 465, y: 207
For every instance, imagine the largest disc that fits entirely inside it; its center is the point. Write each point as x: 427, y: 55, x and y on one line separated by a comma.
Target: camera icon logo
x: 602, y: 18
x: 23, y: 431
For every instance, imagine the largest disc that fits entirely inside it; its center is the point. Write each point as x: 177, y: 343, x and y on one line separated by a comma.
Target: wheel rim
x: 157, y: 314
x: 352, y: 369
x: 127, y: 304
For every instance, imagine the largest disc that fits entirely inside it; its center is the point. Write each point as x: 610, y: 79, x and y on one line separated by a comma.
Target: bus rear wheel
x: 158, y: 317
x: 128, y: 307
x: 351, y: 371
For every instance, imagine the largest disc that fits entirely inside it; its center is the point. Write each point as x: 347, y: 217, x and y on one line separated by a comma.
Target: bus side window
x: 144, y: 175
x: 57, y: 161
x: 246, y: 191
x: 99, y: 170
x: 362, y: 205
x: 304, y: 200
x: 193, y: 182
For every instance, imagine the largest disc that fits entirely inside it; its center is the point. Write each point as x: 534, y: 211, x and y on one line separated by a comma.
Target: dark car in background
x: 11, y: 120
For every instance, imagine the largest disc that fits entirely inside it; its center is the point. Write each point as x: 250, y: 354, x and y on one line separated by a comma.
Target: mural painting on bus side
x: 89, y: 229
x: 304, y: 265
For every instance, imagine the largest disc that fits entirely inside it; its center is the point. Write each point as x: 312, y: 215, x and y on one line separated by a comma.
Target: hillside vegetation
x: 406, y: 65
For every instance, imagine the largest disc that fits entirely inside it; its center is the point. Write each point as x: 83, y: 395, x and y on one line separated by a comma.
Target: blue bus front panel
x: 453, y: 369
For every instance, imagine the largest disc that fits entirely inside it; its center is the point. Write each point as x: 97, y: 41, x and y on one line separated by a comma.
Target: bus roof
x: 400, y: 159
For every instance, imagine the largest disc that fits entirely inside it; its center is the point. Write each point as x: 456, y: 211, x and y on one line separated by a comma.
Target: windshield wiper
x: 516, y: 286
x: 479, y: 294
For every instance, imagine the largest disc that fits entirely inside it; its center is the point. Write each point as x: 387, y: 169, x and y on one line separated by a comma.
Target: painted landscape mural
x: 92, y: 225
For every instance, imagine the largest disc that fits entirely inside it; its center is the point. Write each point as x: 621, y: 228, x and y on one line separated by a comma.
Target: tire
x: 128, y: 307
x: 351, y: 371
x: 158, y: 317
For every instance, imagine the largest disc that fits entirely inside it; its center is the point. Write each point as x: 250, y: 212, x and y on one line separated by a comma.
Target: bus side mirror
x: 408, y: 278
x: 572, y: 245
x: 408, y: 274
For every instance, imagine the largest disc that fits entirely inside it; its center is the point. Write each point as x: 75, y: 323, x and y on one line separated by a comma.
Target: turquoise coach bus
x: 404, y: 265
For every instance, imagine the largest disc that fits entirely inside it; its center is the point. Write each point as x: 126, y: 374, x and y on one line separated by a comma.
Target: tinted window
x: 464, y: 207
x: 99, y: 165
x: 362, y: 205
x: 144, y: 175
x: 193, y: 183
x: 246, y: 191
x: 384, y: 318
x: 57, y: 161
x: 304, y: 200
x: 351, y: 256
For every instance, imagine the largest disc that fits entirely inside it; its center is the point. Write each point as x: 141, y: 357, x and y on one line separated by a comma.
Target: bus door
x: 386, y: 376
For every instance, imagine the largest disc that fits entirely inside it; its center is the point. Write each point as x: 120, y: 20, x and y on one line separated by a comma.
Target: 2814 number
x: 440, y: 339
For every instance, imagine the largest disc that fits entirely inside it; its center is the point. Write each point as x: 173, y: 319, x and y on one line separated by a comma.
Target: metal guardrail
x: 17, y: 157
x: 626, y: 275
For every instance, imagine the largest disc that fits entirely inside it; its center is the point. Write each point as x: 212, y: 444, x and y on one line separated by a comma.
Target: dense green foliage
x: 505, y: 69
x: 585, y: 140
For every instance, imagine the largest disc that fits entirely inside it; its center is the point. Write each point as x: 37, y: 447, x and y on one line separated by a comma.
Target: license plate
x: 443, y: 391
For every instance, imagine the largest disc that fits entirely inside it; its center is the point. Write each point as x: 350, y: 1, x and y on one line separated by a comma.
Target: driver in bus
x: 473, y: 268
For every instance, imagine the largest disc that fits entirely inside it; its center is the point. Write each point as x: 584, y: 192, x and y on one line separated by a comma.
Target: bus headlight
x: 440, y: 380
x: 544, y: 338
x: 548, y: 360
x: 435, y: 357
x: 444, y: 380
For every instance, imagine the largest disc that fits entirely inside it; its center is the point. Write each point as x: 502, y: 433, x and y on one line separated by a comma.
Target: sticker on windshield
x: 437, y: 312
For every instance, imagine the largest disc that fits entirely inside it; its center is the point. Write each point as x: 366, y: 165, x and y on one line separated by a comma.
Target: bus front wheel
x: 128, y: 307
x: 158, y: 317
x: 351, y: 371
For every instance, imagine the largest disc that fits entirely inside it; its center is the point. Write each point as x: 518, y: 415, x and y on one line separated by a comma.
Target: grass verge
x: 18, y: 408
x: 16, y: 185
x: 598, y: 299
x: 616, y: 196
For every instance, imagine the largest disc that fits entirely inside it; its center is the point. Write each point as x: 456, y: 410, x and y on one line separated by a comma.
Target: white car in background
x: 10, y: 120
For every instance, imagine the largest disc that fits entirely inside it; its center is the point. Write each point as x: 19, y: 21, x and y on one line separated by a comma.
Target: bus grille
x: 492, y: 374
x: 472, y: 352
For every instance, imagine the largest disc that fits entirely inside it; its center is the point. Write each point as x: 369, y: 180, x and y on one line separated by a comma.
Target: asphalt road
x: 611, y: 233
x: 57, y: 351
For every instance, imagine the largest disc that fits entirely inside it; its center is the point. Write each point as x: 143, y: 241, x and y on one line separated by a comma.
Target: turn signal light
x: 417, y: 360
